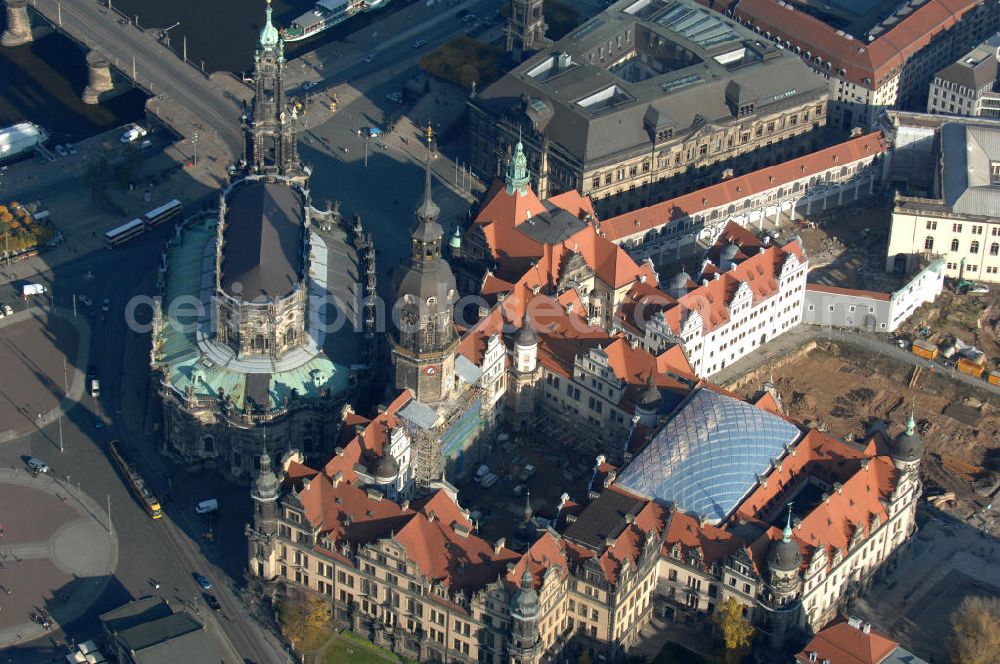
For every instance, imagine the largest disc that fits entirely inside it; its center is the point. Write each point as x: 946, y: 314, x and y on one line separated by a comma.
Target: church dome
x: 525, y: 603
x: 784, y: 555
x: 680, y: 280
x: 908, y: 445
x: 269, y: 34
x: 266, y: 485
x: 649, y: 398
x: 387, y: 467
x: 527, y: 337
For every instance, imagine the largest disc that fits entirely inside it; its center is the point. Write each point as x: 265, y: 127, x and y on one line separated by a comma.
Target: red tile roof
x: 876, y: 60
x: 844, y: 644
x: 871, y: 295
x: 366, y: 446
x: 738, y: 188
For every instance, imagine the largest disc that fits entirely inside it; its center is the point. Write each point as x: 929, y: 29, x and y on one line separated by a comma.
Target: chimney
x: 430, y: 517
x: 727, y: 173
x: 609, y: 541
x: 812, y: 656
x: 337, y: 478
x: 838, y: 487
x: 500, y: 544
x: 405, y: 505
x: 630, y: 518
x: 382, y: 408
x: 866, y: 628
x: 306, y: 483
x: 339, y: 451
x: 855, y: 132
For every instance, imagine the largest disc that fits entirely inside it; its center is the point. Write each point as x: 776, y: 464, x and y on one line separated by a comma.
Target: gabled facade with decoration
x: 746, y: 293
x: 812, y: 522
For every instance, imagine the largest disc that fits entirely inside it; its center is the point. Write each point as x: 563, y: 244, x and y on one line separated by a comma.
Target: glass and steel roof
x: 707, y: 457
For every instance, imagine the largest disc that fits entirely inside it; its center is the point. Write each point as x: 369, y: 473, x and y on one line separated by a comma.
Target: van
x: 95, y: 388
x: 207, y: 506
x: 36, y: 465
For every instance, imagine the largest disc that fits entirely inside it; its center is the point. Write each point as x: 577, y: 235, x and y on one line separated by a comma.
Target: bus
x: 142, y: 492
x: 163, y: 214
x: 124, y: 233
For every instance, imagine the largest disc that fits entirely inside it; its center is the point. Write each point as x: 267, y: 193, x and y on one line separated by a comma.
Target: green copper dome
x: 269, y: 34
x: 517, y: 172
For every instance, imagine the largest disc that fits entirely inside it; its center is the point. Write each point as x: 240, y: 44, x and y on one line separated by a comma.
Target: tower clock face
x: 430, y: 371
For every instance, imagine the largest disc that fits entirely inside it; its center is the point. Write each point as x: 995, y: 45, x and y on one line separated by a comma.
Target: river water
x: 42, y: 81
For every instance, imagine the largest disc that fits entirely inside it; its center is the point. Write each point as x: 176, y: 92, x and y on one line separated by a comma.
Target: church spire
x: 786, y: 534
x: 518, y: 177
x: 428, y: 212
x: 911, y: 424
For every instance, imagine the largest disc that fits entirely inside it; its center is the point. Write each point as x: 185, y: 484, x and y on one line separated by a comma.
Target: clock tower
x: 423, y: 339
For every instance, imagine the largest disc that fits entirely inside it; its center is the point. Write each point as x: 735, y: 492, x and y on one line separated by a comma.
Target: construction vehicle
x: 970, y: 367
x: 993, y: 378
x: 924, y: 349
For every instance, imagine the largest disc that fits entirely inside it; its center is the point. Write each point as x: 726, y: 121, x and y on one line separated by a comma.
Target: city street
x: 169, y: 549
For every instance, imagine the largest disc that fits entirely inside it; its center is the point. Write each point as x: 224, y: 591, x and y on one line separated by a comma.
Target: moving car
x: 370, y: 57
x: 207, y: 506
x: 133, y: 133
x: 8, y: 310
x: 95, y: 388
x: 213, y: 602
x: 202, y: 581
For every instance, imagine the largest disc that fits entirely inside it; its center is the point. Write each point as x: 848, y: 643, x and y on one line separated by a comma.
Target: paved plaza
x: 32, y: 348
x: 56, y: 553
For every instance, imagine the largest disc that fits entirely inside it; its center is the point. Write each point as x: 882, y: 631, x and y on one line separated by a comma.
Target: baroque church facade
x: 255, y: 375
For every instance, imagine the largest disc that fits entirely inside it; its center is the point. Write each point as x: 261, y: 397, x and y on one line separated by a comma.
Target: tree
x: 305, y: 622
x: 977, y: 631
x: 736, y: 631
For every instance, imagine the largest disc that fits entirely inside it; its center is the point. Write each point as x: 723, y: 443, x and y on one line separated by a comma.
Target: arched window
x: 994, y: 249
x: 974, y: 247
x: 954, y: 245
x: 929, y: 243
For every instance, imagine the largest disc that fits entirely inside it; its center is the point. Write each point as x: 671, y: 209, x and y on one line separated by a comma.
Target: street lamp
x: 194, y: 140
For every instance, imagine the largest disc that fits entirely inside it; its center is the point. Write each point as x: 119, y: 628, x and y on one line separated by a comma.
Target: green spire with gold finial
x: 518, y: 177
x: 911, y: 424
x: 786, y: 534
x: 269, y: 34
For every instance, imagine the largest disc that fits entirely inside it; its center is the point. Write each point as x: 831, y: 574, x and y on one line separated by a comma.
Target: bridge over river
x: 184, y: 98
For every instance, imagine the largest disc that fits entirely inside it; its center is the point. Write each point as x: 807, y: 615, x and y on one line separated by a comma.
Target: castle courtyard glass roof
x: 708, y: 456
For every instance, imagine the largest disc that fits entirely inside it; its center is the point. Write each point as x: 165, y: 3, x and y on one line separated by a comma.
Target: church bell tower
x: 270, y: 127
x: 424, y: 340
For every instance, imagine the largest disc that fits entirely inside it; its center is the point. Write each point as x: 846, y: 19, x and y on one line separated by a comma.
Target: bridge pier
x: 18, y: 24
x: 98, y: 78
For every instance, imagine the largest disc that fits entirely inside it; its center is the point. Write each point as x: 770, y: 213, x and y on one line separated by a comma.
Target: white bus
x: 163, y: 214
x: 124, y: 233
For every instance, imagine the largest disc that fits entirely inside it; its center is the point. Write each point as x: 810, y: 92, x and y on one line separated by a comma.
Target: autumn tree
x: 305, y: 622
x: 736, y: 630
x: 977, y: 631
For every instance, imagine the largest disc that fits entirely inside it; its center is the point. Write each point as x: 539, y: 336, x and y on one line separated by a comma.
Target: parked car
x: 370, y: 57
x: 207, y: 506
x: 395, y: 97
x: 95, y: 388
x: 489, y: 480
x: 61, y: 151
x: 527, y: 472
x: 85, y: 300
x: 8, y: 310
x: 420, y: 43
x: 482, y: 472
x: 106, y: 304
x: 36, y: 465
x: 202, y: 581
x: 212, y: 602
x: 70, y: 148
x: 979, y: 289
